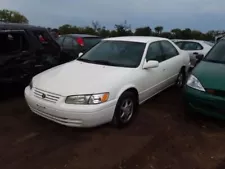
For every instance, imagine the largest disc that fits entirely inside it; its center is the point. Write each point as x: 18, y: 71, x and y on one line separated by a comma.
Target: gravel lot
x: 161, y: 137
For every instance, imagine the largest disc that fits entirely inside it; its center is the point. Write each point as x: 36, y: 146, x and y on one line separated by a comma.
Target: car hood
x: 211, y: 75
x: 78, y: 77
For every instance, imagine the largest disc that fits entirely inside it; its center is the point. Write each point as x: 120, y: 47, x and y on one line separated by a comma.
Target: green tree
x: 187, y: 34
x: 143, y: 31
x: 177, y: 33
x: 104, y: 32
x: 123, y: 29
x: 12, y: 17
x: 158, y: 29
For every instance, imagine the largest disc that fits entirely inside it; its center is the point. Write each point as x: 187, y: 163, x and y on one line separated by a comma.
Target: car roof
x: 142, y: 39
x: 82, y: 35
x: 190, y: 40
x: 19, y: 26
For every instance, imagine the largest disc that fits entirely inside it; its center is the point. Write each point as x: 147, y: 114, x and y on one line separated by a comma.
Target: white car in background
x: 107, y: 83
x: 194, y: 48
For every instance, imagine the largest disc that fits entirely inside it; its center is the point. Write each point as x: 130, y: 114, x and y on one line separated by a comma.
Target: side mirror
x: 199, y: 56
x: 80, y: 54
x: 151, y: 64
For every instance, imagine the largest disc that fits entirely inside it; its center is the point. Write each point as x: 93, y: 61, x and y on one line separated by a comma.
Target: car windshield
x: 115, y: 53
x: 217, y: 53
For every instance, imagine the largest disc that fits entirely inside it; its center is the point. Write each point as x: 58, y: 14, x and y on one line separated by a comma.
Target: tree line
x: 122, y: 29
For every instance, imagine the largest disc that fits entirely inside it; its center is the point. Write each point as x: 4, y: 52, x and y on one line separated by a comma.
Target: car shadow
x: 11, y: 91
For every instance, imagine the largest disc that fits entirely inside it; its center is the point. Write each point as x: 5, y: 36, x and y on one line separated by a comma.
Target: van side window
x: 13, y: 42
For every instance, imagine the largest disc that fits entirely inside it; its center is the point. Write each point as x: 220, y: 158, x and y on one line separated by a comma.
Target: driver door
x: 154, y: 76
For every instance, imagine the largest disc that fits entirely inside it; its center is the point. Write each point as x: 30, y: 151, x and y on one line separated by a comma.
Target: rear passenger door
x: 172, y: 62
x: 47, y: 51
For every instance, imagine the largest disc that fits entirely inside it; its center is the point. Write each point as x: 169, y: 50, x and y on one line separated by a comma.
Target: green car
x: 204, y: 91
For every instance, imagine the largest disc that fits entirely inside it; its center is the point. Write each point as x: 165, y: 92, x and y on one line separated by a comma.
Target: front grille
x: 51, y: 97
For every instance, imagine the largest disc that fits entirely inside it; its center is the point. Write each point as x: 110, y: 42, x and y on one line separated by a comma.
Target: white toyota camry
x: 107, y: 83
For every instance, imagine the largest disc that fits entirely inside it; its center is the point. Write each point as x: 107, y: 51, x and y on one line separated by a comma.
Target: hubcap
x: 127, y: 108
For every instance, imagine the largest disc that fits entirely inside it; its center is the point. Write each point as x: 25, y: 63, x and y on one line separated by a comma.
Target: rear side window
x: 169, y: 50
x: 42, y: 36
x: 192, y: 46
x: 90, y: 42
x: 179, y: 44
x: 60, y: 40
x: 68, y: 42
x: 13, y: 42
x: 209, y: 43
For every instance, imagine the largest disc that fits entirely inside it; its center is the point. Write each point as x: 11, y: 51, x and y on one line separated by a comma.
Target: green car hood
x: 211, y: 75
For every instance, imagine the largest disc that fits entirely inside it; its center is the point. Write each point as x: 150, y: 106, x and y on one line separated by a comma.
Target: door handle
x: 195, y: 53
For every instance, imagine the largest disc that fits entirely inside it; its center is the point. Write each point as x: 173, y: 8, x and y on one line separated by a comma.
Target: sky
x: 201, y: 15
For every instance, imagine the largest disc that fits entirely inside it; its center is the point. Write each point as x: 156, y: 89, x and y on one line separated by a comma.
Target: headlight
x: 194, y: 83
x: 31, y: 85
x: 87, y: 99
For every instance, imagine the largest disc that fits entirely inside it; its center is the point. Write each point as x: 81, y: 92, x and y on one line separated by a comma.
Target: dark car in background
x: 73, y: 44
x: 25, y: 51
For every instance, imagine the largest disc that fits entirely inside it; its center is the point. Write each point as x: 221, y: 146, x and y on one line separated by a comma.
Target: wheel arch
x: 132, y: 89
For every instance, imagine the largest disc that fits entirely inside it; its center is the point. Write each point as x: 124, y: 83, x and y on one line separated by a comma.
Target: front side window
x: 154, y: 52
x: 217, y: 53
x: 192, y: 46
x: 169, y: 50
x: 115, y: 53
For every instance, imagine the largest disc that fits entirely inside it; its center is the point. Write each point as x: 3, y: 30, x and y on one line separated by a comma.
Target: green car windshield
x: 217, y: 53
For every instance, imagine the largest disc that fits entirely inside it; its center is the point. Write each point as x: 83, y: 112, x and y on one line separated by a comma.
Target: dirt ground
x: 161, y: 137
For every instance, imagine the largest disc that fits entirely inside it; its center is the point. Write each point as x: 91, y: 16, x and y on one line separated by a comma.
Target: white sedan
x: 107, y: 83
x: 194, y: 48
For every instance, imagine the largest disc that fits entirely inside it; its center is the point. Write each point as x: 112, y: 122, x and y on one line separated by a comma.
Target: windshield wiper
x: 101, y: 62
x: 104, y: 62
x: 85, y: 60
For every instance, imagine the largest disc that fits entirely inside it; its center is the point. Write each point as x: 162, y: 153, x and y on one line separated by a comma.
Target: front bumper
x: 71, y: 115
x: 202, y: 102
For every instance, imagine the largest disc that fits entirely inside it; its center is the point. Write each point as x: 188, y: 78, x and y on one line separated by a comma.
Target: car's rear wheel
x: 181, y: 78
x: 126, y: 109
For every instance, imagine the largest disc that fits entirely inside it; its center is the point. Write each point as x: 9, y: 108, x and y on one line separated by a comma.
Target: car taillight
x: 80, y: 41
x: 41, y: 39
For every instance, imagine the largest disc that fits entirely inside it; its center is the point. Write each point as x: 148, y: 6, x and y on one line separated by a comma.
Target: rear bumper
x: 201, y: 102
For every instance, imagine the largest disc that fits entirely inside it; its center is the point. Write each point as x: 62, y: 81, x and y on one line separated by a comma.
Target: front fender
x: 124, y: 88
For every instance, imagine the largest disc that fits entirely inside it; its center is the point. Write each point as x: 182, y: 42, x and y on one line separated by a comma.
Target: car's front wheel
x: 126, y: 109
x: 181, y: 79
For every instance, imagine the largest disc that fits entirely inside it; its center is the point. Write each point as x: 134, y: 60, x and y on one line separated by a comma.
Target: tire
x: 181, y: 79
x: 122, y: 118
